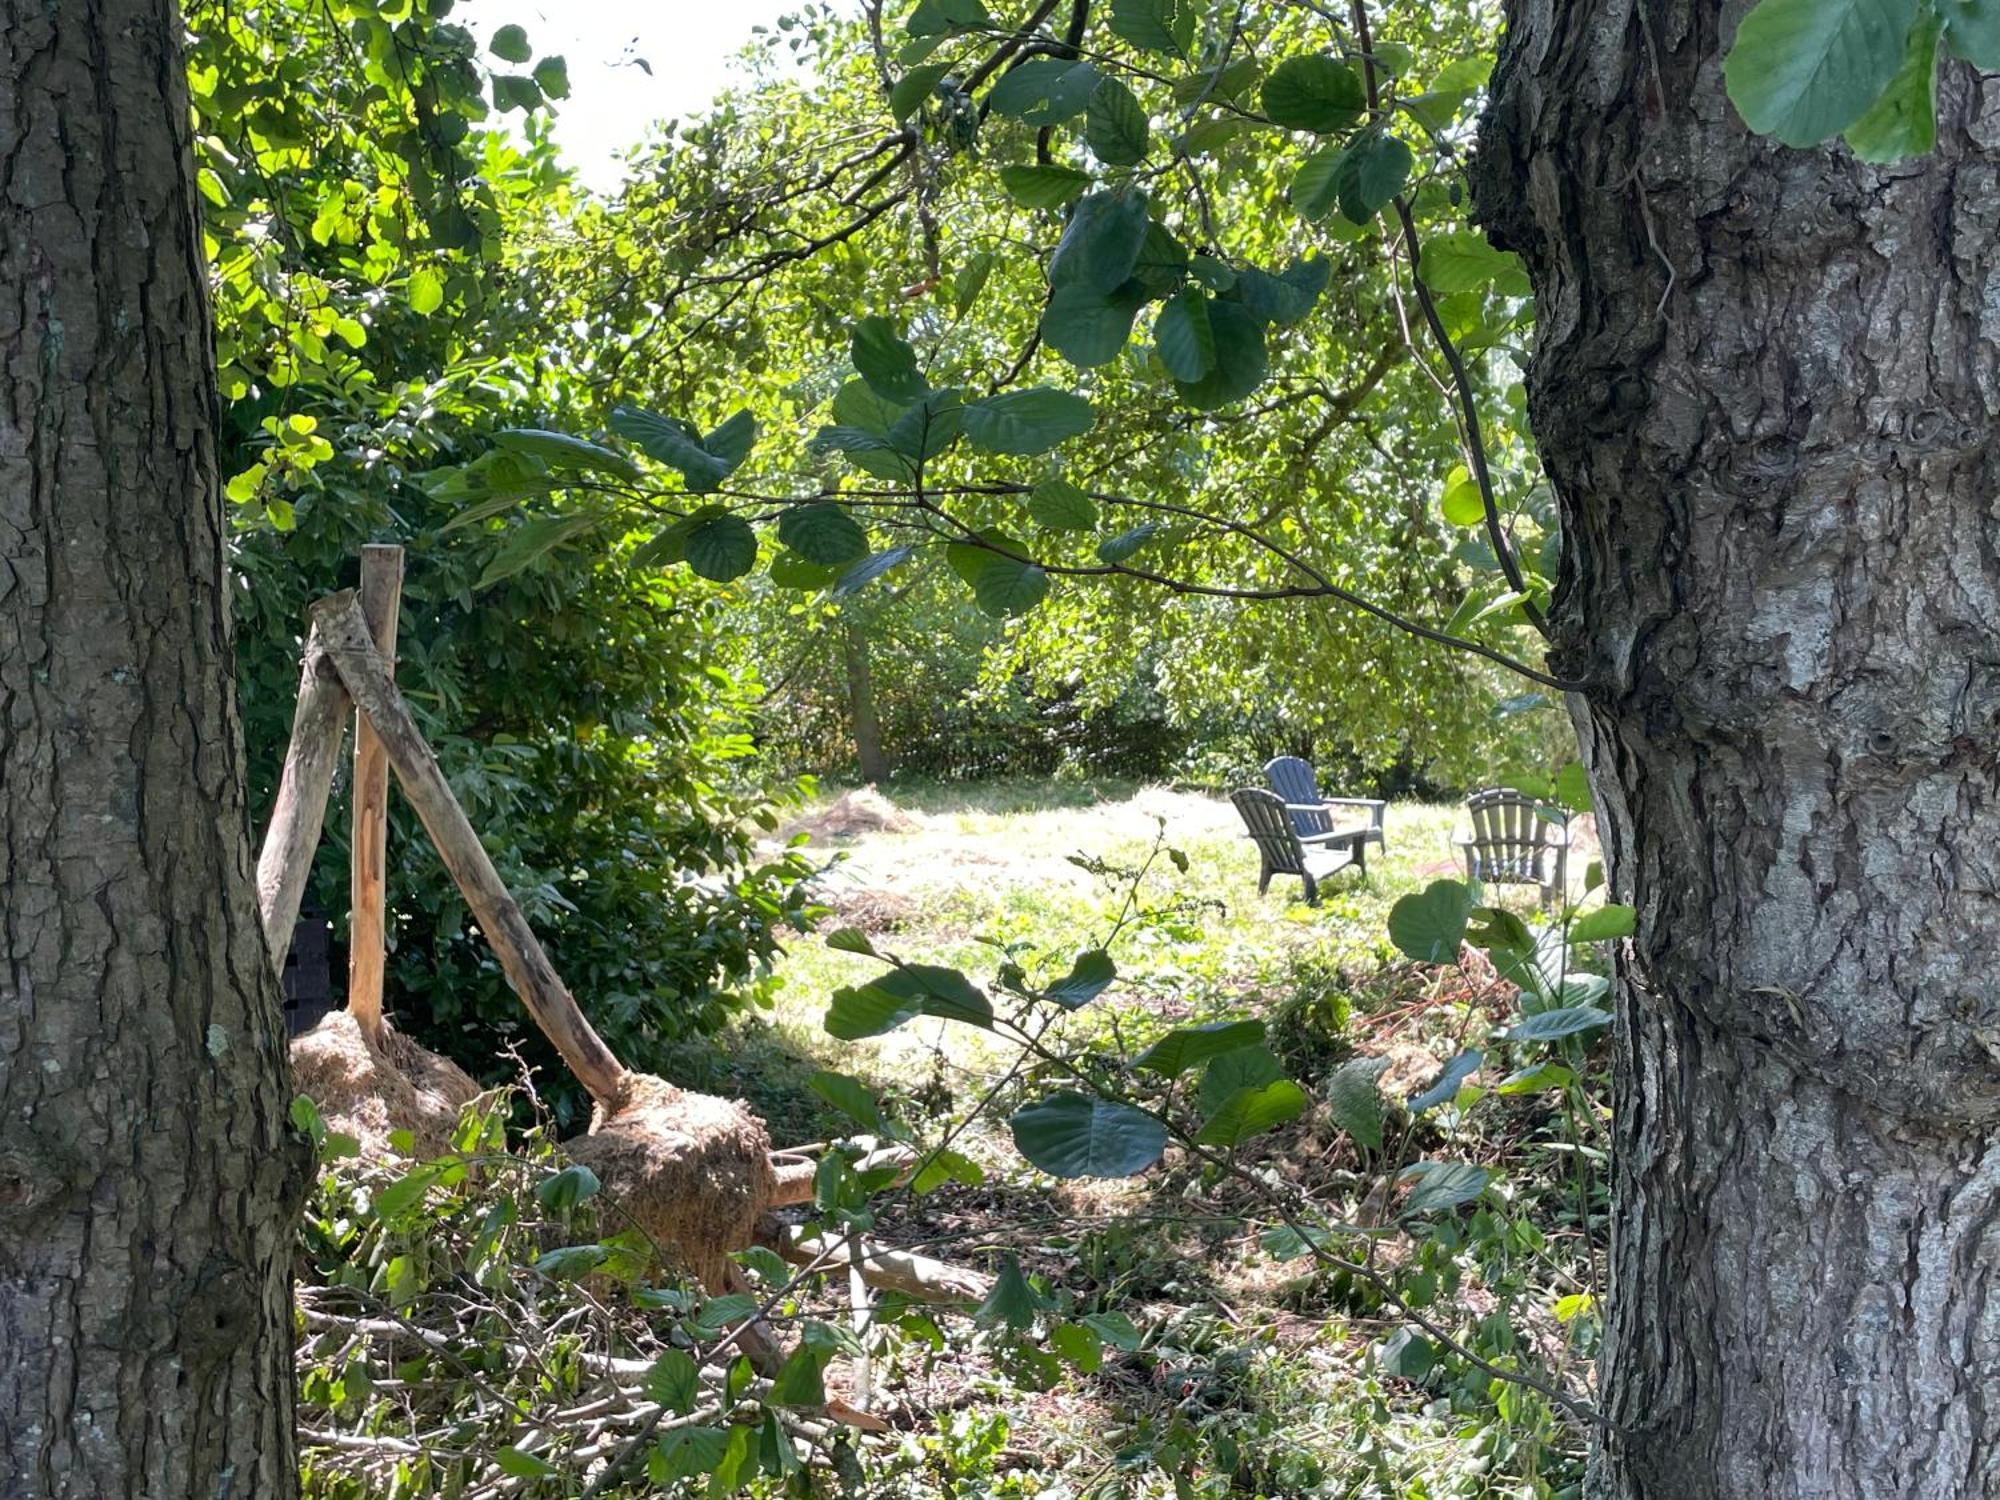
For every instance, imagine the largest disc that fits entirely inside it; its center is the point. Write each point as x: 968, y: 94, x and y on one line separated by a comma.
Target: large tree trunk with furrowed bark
x: 147, y: 1177
x: 1767, y: 390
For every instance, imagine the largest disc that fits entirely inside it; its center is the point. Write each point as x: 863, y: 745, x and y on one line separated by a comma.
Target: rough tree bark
x: 147, y: 1178
x: 1766, y: 390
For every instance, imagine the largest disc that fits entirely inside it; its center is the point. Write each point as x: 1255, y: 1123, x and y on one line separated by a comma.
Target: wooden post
x: 381, y: 598
x: 344, y: 632
x: 300, y: 809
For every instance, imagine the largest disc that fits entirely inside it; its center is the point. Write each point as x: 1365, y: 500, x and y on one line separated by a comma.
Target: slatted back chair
x: 1293, y: 780
x: 1515, y: 841
x: 1283, y: 852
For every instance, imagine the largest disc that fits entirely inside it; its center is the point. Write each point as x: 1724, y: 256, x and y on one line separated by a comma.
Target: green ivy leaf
x: 1156, y: 25
x: 1184, y: 337
x: 1090, y: 976
x: 1354, y: 1095
x: 1804, y: 70
x: 1903, y: 121
x: 1609, y: 921
x: 886, y: 362
x: 1068, y: 1135
x: 1044, y: 90
x: 1251, y: 1112
x: 1189, y: 1046
x: 1115, y: 125
x: 1313, y: 93
x: 1044, y: 186
x: 722, y: 549
x: 1429, y: 926
x: 1444, y: 1088
x: 1061, y: 506
x: 822, y: 533
x: 1026, y: 422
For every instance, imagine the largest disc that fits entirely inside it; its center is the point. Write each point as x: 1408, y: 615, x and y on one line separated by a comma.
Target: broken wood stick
x: 887, y: 1270
x: 381, y: 598
x: 344, y: 631
x: 299, y: 810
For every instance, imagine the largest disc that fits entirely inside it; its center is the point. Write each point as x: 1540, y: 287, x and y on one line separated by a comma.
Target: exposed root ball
x: 368, y: 1090
x: 692, y: 1170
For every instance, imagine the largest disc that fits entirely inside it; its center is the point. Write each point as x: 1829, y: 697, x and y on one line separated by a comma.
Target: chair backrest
x: 1510, y: 836
x: 1293, y: 780
x: 1264, y: 815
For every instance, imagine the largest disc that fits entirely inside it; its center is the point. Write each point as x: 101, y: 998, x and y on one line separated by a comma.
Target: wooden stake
x: 381, y: 598
x: 344, y: 631
x: 300, y: 809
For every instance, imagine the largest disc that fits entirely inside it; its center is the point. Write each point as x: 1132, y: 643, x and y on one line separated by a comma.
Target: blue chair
x: 1292, y: 779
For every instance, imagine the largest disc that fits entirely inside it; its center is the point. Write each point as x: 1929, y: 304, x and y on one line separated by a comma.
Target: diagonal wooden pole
x: 299, y: 810
x: 344, y: 635
x: 381, y: 599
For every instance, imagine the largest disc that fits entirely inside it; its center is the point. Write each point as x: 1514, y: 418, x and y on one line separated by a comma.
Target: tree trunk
x: 868, y: 749
x: 1765, y: 389
x: 147, y: 1177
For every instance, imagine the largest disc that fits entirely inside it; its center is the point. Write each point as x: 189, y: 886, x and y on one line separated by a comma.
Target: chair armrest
x: 1370, y: 802
x: 1305, y: 807
x: 1329, y: 836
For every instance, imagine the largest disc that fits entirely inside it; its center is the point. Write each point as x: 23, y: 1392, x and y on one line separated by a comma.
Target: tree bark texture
x: 148, y: 1180
x: 1766, y: 390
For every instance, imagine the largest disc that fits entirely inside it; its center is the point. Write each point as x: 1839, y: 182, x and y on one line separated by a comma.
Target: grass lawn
x: 1258, y: 1376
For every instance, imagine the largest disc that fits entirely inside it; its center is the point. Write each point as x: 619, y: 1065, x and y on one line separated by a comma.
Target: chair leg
x: 1361, y: 857
x: 1264, y: 880
x: 1312, y: 891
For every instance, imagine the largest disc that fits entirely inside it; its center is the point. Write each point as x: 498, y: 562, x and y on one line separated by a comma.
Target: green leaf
x: 1246, y: 1067
x: 1044, y: 90
x: 722, y: 549
x: 1162, y: 264
x: 1251, y: 1112
x: 970, y: 281
x: 1573, y: 787
x: 1370, y: 173
x: 1156, y: 25
x: 1430, y: 926
x: 1287, y: 298
x: 426, y: 291
x: 1012, y: 1301
x: 1465, y: 262
x: 1313, y: 93
x: 1090, y: 328
x: 1115, y: 125
x: 1100, y: 244
x: 1316, y: 184
x: 1441, y: 1185
x: 1554, y: 1025
x: 571, y: 1262
x: 914, y: 87
x: 560, y: 450
x: 1609, y: 921
x: 551, y: 76
x: 1079, y: 1344
x: 1444, y: 1088
x: 703, y: 462
x: 1972, y: 31
x: 1002, y: 584
x: 850, y: 940
x: 1043, y: 186
x: 1068, y: 1135
x: 516, y: 91
x: 801, y: 1381
x: 869, y: 569
x: 510, y: 44
x: 673, y: 1381
x: 1240, y: 360
x: 1536, y: 1080
x: 887, y: 363
x: 1184, y: 337
x: 687, y: 1452
x: 849, y: 1097
x: 1354, y: 1096
x: 790, y: 571
x: 1462, y: 504
x: 943, y: 1166
x: 1061, y: 506
x: 1407, y: 1355
x: 1189, y: 1046
x: 1090, y: 976
x: 901, y: 995
x: 1026, y: 422
x: 1115, y: 1329
x: 941, y: 17
x: 561, y: 1191
x: 509, y: 1460
x: 1115, y: 550
x: 822, y: 533
x: 1804, y: 70
x: 1903, y: 121
x: 528, y: 542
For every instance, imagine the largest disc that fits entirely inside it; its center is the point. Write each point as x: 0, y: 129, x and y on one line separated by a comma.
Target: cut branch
x: 300, y: 809
x: 381, y: 596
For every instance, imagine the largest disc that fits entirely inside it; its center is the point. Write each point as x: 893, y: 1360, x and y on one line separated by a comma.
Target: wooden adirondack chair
x: 1514, y: 841
x: 1312, y: 857
x: 1293, y: 780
